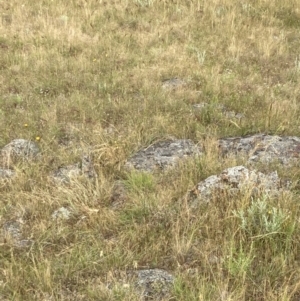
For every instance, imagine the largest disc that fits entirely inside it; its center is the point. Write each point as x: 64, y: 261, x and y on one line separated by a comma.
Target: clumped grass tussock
x: 83, y: 75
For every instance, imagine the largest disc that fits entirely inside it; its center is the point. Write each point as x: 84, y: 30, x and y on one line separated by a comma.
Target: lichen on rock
x: 162, y: 154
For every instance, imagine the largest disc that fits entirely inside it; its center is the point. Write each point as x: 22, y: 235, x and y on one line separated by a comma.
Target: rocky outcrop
x: 263, y: 148
x: 156, y: 283
x: 235, y: 180
x: 162, y: 154
x: 28, y: 150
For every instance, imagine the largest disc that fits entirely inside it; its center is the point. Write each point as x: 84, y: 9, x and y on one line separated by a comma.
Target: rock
x: 12, y: 231
x: 162, y: 154
x: 263, y: 148
x: 62, y: 213
x: 148, y: 284
x: 233, y: 180
x: 19, y: 148
x: 6, y: 173
x: 173, y: 83
x: 67, y: 173
x: 153, y: 283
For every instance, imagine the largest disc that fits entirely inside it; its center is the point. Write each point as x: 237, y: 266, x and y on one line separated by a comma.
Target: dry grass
x: 88, y: 74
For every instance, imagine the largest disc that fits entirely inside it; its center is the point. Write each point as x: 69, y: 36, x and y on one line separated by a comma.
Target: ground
x: 93, y: 84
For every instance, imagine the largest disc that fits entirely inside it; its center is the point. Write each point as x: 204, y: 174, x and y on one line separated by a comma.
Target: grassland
x: 87, y: 75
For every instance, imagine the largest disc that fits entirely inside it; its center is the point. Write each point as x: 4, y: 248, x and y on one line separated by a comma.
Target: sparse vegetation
x: 87, y: 75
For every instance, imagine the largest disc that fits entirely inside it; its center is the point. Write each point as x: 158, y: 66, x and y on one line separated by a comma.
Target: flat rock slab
x: 234, y: 180
x: 162, y: 154
x: 263, y: 148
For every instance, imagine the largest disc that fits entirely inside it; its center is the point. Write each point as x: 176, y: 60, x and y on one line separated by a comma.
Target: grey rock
x: 236, y: 179
x: 19, y: 148
x: 154, y: 283
x: 148, y: 284
x: 62, y: 213
x: 263, y: 148
x: 173, y: 83
x: 6, y: 173
x: 67, y: 173
x: 12, y: 230
x: 162, y: 154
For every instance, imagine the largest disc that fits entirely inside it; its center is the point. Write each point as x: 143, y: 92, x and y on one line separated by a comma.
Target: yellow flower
x: 37, y: 138
x: 25, y: 124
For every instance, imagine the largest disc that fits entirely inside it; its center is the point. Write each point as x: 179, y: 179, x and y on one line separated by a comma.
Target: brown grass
x: 88, y: 74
